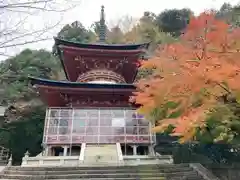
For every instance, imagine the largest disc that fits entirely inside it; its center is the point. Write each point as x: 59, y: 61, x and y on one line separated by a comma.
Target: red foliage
x: 206, y: 57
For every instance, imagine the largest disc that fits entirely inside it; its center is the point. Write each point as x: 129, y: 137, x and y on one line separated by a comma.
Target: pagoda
x: 89, y: 116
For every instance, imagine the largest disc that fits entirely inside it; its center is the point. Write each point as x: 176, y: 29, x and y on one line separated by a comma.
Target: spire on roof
x: 102, y: 30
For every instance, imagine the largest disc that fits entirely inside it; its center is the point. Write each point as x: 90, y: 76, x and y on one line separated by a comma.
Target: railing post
x: 82, y: 152
x: 119, y: 152
x: 10, y: 161
x: 25, y: 158
x: 27, y: 154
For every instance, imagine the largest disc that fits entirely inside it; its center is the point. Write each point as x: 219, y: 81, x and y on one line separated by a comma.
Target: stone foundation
x: 95, y: 155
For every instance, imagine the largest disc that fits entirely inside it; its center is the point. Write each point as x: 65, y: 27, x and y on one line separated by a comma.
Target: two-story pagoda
x: 92, y: 108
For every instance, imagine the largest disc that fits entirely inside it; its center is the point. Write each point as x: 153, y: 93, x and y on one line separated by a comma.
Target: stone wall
x: 225, y: 172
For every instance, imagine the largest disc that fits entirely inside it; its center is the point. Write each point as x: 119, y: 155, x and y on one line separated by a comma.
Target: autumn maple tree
x: 191, y: 76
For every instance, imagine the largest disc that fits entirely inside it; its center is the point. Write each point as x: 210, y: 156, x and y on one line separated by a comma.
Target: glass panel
x: 92, y: 113
x: 63, y: 122
x: 66, y: 113
x: 144, y: 139
x: 118, y: 122
x: 129, y: 130
x: 52, y: 130
x: 118, y: 131
x: 132, y: 130
x: 97, y: 126
x: 131, y: 138
x: 142, y: 122
x: 120, y: 139
x: 78, y: 139
x: 105, y: 121
x: 143, y: 130
x: 63, y: 139
x: 54, y: 113
x: 79, y: 123
x: 106, y: 139
x: 105, y: 112
x: 118, y: 113
x: 63, y: 130
x: 92, y: 121
x: 91, y: 130
x: 92, y: 117
x: 129, y: 114
x: 105, y: 131
x: 130, y: 119
x: 91, y: 139
x: 79, y: 130
x: 52, y: 138
x: 53, y: 121
x: 79, y: 114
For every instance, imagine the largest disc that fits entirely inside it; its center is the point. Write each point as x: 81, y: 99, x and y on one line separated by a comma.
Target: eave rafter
x: 101, y: 52
x: 70, y: 90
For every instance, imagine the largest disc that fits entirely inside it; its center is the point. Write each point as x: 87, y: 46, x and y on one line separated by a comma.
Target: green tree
x: 25, y: 134
x: 174, y: 21
x: 26, y: 113
x: 75, y: 32
x: 14, y: 73
x: 230, y: 13
x: 148, y: 17
x: 148, y: 31
x: 115, y: 35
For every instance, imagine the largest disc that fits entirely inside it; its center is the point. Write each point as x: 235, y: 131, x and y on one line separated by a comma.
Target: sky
x: 87, y: 12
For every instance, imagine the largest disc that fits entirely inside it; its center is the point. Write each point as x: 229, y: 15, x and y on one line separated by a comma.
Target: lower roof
x: 69, y: 84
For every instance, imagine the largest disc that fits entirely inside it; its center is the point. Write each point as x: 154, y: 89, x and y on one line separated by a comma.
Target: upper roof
x: 80, y: 58
x: 59, y: 41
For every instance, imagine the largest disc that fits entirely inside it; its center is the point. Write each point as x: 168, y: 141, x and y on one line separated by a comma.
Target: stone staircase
x: 141, y: 172
x: 4, y: 156
x: 101, y: 154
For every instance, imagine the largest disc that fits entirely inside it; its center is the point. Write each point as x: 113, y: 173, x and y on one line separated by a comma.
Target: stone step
x: 100, y: 153
x: 147, y: 178
x: 141, y: 172
x: 160, y: 166
x: 183, y: 169
x: 184, y: 175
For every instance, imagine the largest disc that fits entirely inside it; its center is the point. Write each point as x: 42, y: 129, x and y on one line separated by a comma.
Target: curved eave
x: 101, y: 46
x: 101, y: 51
x: 67, y: 84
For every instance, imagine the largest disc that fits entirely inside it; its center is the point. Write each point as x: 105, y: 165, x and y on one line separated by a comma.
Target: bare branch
x: 24, y: 3
x: 26, y: 42
x: 41, y: 5
x: 15, y: 21
x: 42, y: 31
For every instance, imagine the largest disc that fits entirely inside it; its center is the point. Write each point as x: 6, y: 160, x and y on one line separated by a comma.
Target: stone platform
x: 96, y: 155
x: 143, y: 172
